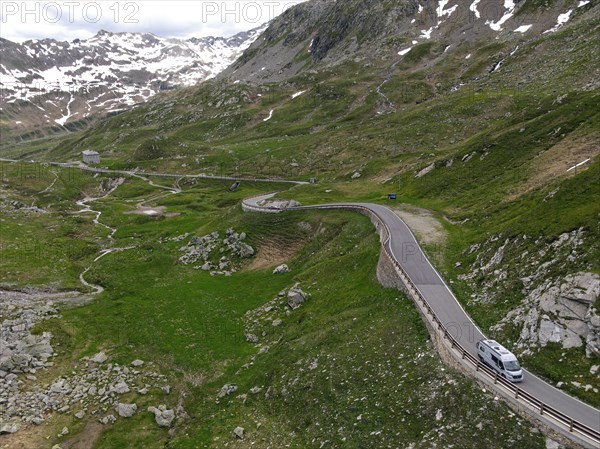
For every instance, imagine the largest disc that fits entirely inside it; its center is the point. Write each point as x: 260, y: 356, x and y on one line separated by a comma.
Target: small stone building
x: 90, y: 157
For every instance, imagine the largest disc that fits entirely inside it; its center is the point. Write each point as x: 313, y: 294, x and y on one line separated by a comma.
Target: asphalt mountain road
x: 407, y: 252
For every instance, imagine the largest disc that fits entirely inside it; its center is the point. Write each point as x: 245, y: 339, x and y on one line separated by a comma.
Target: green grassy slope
x: 352, y: 366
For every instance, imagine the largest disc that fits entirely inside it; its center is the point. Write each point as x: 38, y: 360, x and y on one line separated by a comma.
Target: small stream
x: 388, y: 77
x: 87, y: 208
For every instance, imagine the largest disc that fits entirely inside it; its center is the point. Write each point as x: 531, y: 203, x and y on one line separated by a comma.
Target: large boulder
x: 592, y: 344
x: 126, y: 410
x: 246, y: 251
x: 163, y: 416
x: 296, y: 297
x: 281, y: 269
x: 36, y: 345
x: 8, y: 428
x: 120, y: 388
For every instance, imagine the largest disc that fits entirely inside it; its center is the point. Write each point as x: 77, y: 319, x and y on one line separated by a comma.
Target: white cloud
x: 68, y: 20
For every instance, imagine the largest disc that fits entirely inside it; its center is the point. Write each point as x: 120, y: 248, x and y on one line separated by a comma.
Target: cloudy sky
x: 68, y: 20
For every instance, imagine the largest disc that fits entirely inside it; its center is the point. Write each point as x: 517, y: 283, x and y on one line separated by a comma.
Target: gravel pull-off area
x: 427, y: 229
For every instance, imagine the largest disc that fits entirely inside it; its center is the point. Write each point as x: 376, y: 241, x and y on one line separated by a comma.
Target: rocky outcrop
x: 559, y: 311
x: 217, y: 256
x: 556, y: 307
x: 425, y: 171
x: 12, y: 206
x: 592, y: 342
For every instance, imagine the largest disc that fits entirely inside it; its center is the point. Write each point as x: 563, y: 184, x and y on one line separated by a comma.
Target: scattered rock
x: 137, y: 363
x: 426, y: 170
x: 120, y: 388
x: 556, y: 308
x: 227, y: 390
x: 281, y: 269
x: 110, y: 419
x: 99, y: 358
x: 239, y: 432
x: 277, y: 322
x: 251, y: 338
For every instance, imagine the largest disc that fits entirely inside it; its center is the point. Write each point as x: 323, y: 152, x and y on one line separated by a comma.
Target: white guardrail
x: 503, y: 386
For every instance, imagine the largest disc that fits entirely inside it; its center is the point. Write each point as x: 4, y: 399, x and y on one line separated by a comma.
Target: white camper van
x: 501, y: 359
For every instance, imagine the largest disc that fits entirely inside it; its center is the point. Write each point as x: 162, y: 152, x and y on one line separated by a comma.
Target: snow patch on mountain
x: 523, y: 29
x: 297, y: 94
x: 441, y: 12
x: 560, y: 21
x: 509, y: 6
x: 474, y: 10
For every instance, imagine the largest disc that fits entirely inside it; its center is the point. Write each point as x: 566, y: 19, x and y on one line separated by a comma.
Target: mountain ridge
x: 48, y: 85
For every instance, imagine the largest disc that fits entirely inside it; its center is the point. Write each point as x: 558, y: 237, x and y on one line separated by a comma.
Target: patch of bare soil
x: 272, y: 253
x: 39, y: 436
x: 556, y: 162
x: 86, y: 438
x: 25, y: 439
